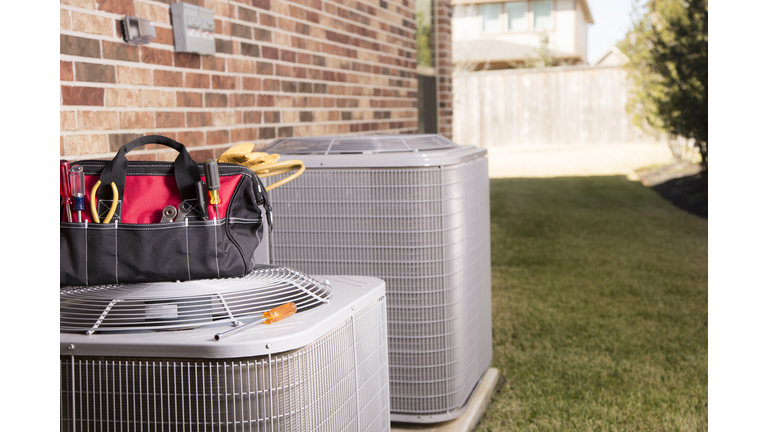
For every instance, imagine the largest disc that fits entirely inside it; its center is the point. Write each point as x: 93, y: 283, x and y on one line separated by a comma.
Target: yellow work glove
x: 243, y: 154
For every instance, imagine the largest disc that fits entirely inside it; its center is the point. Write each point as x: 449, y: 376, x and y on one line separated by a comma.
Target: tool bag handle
x: 184, y: 168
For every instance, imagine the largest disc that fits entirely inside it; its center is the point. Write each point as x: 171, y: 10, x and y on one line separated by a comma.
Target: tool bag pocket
x: 135, y: 246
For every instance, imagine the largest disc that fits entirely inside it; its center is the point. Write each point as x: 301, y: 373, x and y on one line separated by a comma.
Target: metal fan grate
x: 367, y: 144
x: 179, y: 305
x: 337, y: 383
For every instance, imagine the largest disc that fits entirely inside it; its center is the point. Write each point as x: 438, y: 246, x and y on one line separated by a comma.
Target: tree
x: 667, y: 64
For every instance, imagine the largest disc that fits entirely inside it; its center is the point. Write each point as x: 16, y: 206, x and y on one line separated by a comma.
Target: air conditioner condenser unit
x: 412, y: 210
x: 144, y: 356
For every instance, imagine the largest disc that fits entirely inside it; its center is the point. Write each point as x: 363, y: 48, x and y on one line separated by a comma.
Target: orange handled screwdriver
x: 271, y: 316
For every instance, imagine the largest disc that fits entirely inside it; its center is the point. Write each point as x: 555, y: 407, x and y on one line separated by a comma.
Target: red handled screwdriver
x: 65, y: 190
x: 77, y: 185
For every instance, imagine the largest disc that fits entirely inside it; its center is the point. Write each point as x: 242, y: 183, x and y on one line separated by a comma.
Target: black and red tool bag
x: 136, y: 245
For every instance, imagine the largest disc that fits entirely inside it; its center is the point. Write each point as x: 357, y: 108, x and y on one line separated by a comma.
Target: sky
x: 612, y: 21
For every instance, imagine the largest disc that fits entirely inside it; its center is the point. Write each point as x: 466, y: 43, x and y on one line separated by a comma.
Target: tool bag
x: 135, y: 246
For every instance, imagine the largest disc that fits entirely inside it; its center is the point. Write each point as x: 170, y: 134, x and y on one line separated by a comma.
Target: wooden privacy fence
x: 561, y: 105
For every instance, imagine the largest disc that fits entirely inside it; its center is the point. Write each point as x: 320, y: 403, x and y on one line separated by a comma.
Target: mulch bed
x: 682, y: 184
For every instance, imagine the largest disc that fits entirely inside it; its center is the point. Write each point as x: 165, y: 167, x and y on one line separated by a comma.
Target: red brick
x: 169, y: 119
x: 94, y: 72
x: 134, y: 76
x: 189, y: 99
x: 217, y: 137
x: 168, y: 78
x: 194, y: 80
x: 271, y: 85
x: 223, y: 82
x: 214, y: 63
x: 265, y: 100
x: 262, y: 4
x: 199, y: 119
x: 251, y: 117
x: 270, y: 53
x: 283, y: 70
x: 267, y: 133
x: 90, y: 96
x: 78, y: 46
x: 244, y: 100
x: 262, y: 35
x: 120, y: 7
x: 66, y: 72
x: 244, y: 134
x: 272, y: 117
x: 288, y: 56
x: 154, y: 13
x: 251, y: 83
x: 96, y: 120
x: 264, y: 68
x: 191, y: 138
x: 68, y: 122
x: 93, y: 24
x: 118, y: 140
x: 137, y: 120
x: 246, y: 15
x: 159, y: 98
x: 186, y: 60
x: 284, y: 132
x: 163, y: 36
x: 241, y: 31
x: 85, y: 144
x: 156, y: 56
x: 119, y: 51
x: 122, y: 97
x: 216, y: 100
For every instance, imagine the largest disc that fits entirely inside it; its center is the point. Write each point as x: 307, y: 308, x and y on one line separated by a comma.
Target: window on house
x: 491, y: 13
x: 542, y: 15
x: 516, y: 16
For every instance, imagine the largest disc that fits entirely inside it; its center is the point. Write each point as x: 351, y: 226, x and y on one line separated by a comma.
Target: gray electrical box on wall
x: 193, y: 29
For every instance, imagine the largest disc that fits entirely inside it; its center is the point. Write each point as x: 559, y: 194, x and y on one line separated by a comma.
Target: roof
x: 618, y: 57
x: 587, y: 11
x: 480, y: 50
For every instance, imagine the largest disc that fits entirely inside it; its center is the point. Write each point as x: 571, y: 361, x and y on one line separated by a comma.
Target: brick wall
x: 444, y: 65
x: 282, y: 68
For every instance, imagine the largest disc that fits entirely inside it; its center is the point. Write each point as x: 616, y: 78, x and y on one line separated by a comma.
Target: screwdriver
x: 64, y: 171
x: 212, y: 181
x: 77, y: 183
x: 200, y: 189
x: 269, y: 317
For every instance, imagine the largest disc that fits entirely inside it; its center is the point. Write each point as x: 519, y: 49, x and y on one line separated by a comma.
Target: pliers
x: 94, y: 201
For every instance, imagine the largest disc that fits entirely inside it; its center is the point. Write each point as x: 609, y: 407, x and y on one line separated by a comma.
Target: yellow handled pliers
x: 94, y: 200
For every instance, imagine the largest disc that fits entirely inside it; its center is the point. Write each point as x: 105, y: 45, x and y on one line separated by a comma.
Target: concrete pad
x: 471, y: 417
x: 576, y: 160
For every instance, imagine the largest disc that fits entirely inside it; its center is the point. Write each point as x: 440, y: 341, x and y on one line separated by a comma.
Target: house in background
x: 612, y: 57
x: 490, y: 35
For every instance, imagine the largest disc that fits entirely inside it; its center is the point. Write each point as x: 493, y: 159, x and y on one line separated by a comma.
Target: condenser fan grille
x: 337, y: 383
x: 168, y: 305
x: 368, y: 144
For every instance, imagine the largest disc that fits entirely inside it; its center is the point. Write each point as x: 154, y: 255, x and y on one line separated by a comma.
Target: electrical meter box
x: 193, y: 29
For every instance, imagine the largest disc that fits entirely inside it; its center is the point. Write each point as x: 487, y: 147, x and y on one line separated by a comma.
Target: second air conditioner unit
x: 412, y: 210
x: 144, y: 356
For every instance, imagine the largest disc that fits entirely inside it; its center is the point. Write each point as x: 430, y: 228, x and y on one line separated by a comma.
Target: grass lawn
x: 599, y: 308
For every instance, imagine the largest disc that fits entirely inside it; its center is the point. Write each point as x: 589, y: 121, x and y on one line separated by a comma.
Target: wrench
x: 184, y: 209
x: 169, y: 212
